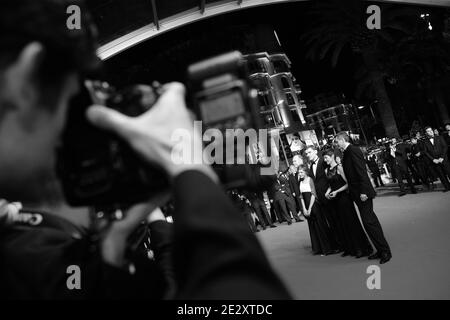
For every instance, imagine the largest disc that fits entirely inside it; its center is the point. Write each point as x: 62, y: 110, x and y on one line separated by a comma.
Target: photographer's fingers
x: 156, y: 215
x: 172, y: 100
x: 176, y: 88
x: 134, y: 216
x: 140, y: 212
x: 172, y: 97
x: 109, y: 119
x: 3, y: 209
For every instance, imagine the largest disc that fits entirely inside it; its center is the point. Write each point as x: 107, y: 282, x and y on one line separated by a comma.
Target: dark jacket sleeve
x: 35, y: 263
x: 359, y: 166
x: 161, y: 237
x: 426, y: 150
x: 216, y: 256
x: 444, y: 147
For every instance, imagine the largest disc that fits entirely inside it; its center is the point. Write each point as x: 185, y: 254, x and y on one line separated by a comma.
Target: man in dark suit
x: 317, y: 173
x: 283, y: 203
x: 362, y: 193
x: 243, y: 205
x: 297, y: 161
x: 259, y: 206
x: 435, y: 149
x: 446, y: 135
x: 294, y: 185
x: 283, y: 178
x: 397, y: 157
x: 373, y: 167
x: 419, y: 162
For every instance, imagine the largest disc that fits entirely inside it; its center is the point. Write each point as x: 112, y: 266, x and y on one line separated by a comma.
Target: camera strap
x: 29, y: 218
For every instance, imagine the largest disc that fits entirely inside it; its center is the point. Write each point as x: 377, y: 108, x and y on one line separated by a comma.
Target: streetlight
x: 371, y: 109
x: 426, y: 18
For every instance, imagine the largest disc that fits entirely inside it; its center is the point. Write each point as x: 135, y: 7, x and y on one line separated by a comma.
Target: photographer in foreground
x: 211, y: 255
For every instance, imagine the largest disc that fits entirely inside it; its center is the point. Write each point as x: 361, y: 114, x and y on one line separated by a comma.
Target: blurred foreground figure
x: 208, y: 254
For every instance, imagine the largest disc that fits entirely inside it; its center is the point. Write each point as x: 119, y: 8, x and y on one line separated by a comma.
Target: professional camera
x: 96, y: 167
x: 223, y: 98
x: 222, y: 94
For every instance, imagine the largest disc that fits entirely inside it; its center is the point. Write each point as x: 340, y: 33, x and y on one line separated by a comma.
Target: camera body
x: 224, y: 98
x: 222, y: 95
x: 97, y: 168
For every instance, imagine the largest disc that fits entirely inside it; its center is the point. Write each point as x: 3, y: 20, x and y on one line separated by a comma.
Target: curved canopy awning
x: 124, y: 24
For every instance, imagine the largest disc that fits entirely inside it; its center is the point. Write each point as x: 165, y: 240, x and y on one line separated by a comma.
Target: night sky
x: 166, y: 57
x: 288, y: 21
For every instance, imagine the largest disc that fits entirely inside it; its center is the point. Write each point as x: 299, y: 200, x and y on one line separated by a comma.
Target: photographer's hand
x: 151, y: 134
x: 113, y: 244
x: 8, y: 211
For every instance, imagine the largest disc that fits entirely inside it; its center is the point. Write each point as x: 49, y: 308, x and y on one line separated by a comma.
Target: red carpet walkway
x: 418, y: 230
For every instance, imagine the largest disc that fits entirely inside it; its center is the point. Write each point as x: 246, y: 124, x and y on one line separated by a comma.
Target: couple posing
x: 328, y: 194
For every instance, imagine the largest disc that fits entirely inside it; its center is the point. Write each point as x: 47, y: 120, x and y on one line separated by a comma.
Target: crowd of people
x: 315, y: 188
x: 422, y: 159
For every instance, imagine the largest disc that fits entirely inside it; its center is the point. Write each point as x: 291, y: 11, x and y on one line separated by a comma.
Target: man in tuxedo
x: 397, y: 157
x: 283, y: 202
x: 243, y: 206
x: 373, y: 167
x: 297, y: 161
x: 429, y: 171
x: 435, y: 150
x: 259, y: 206
x: 362, y: 193
x: 283, y: 179
x: 419, y: 162
x: 294, y: 185
x: 446, y: 135
x: 317, y: 173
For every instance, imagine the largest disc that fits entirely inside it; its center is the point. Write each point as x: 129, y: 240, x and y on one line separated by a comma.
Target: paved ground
x: 418, y: 230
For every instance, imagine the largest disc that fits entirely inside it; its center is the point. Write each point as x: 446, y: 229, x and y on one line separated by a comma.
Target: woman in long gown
x: 356, y: 242
x: 318, y: 229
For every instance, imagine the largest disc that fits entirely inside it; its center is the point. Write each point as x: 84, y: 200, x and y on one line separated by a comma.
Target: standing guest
x: 296, y: 144
x: 297, y: 161
x: 419, y: 162
x: 294, y: 186
x: 374, y: 170
x: 281, y: 202
x: 283, y: 178
x: 319, y: 231
x: 356, y: 242
x: 259, y: 206
x: 397, y: 157
x: 388, y: 160
x: 436, y: 132
x: 362, y: 193
x: 446, y: 135
x: 241, y: 204
x: 436, y: 149
x: 317, y: 174
x: 430, y: 173
x: 409, y: 161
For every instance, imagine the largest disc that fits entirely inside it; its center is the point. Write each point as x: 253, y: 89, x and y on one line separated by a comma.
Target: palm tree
x: 425, y: 57
x: 339, y: 24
